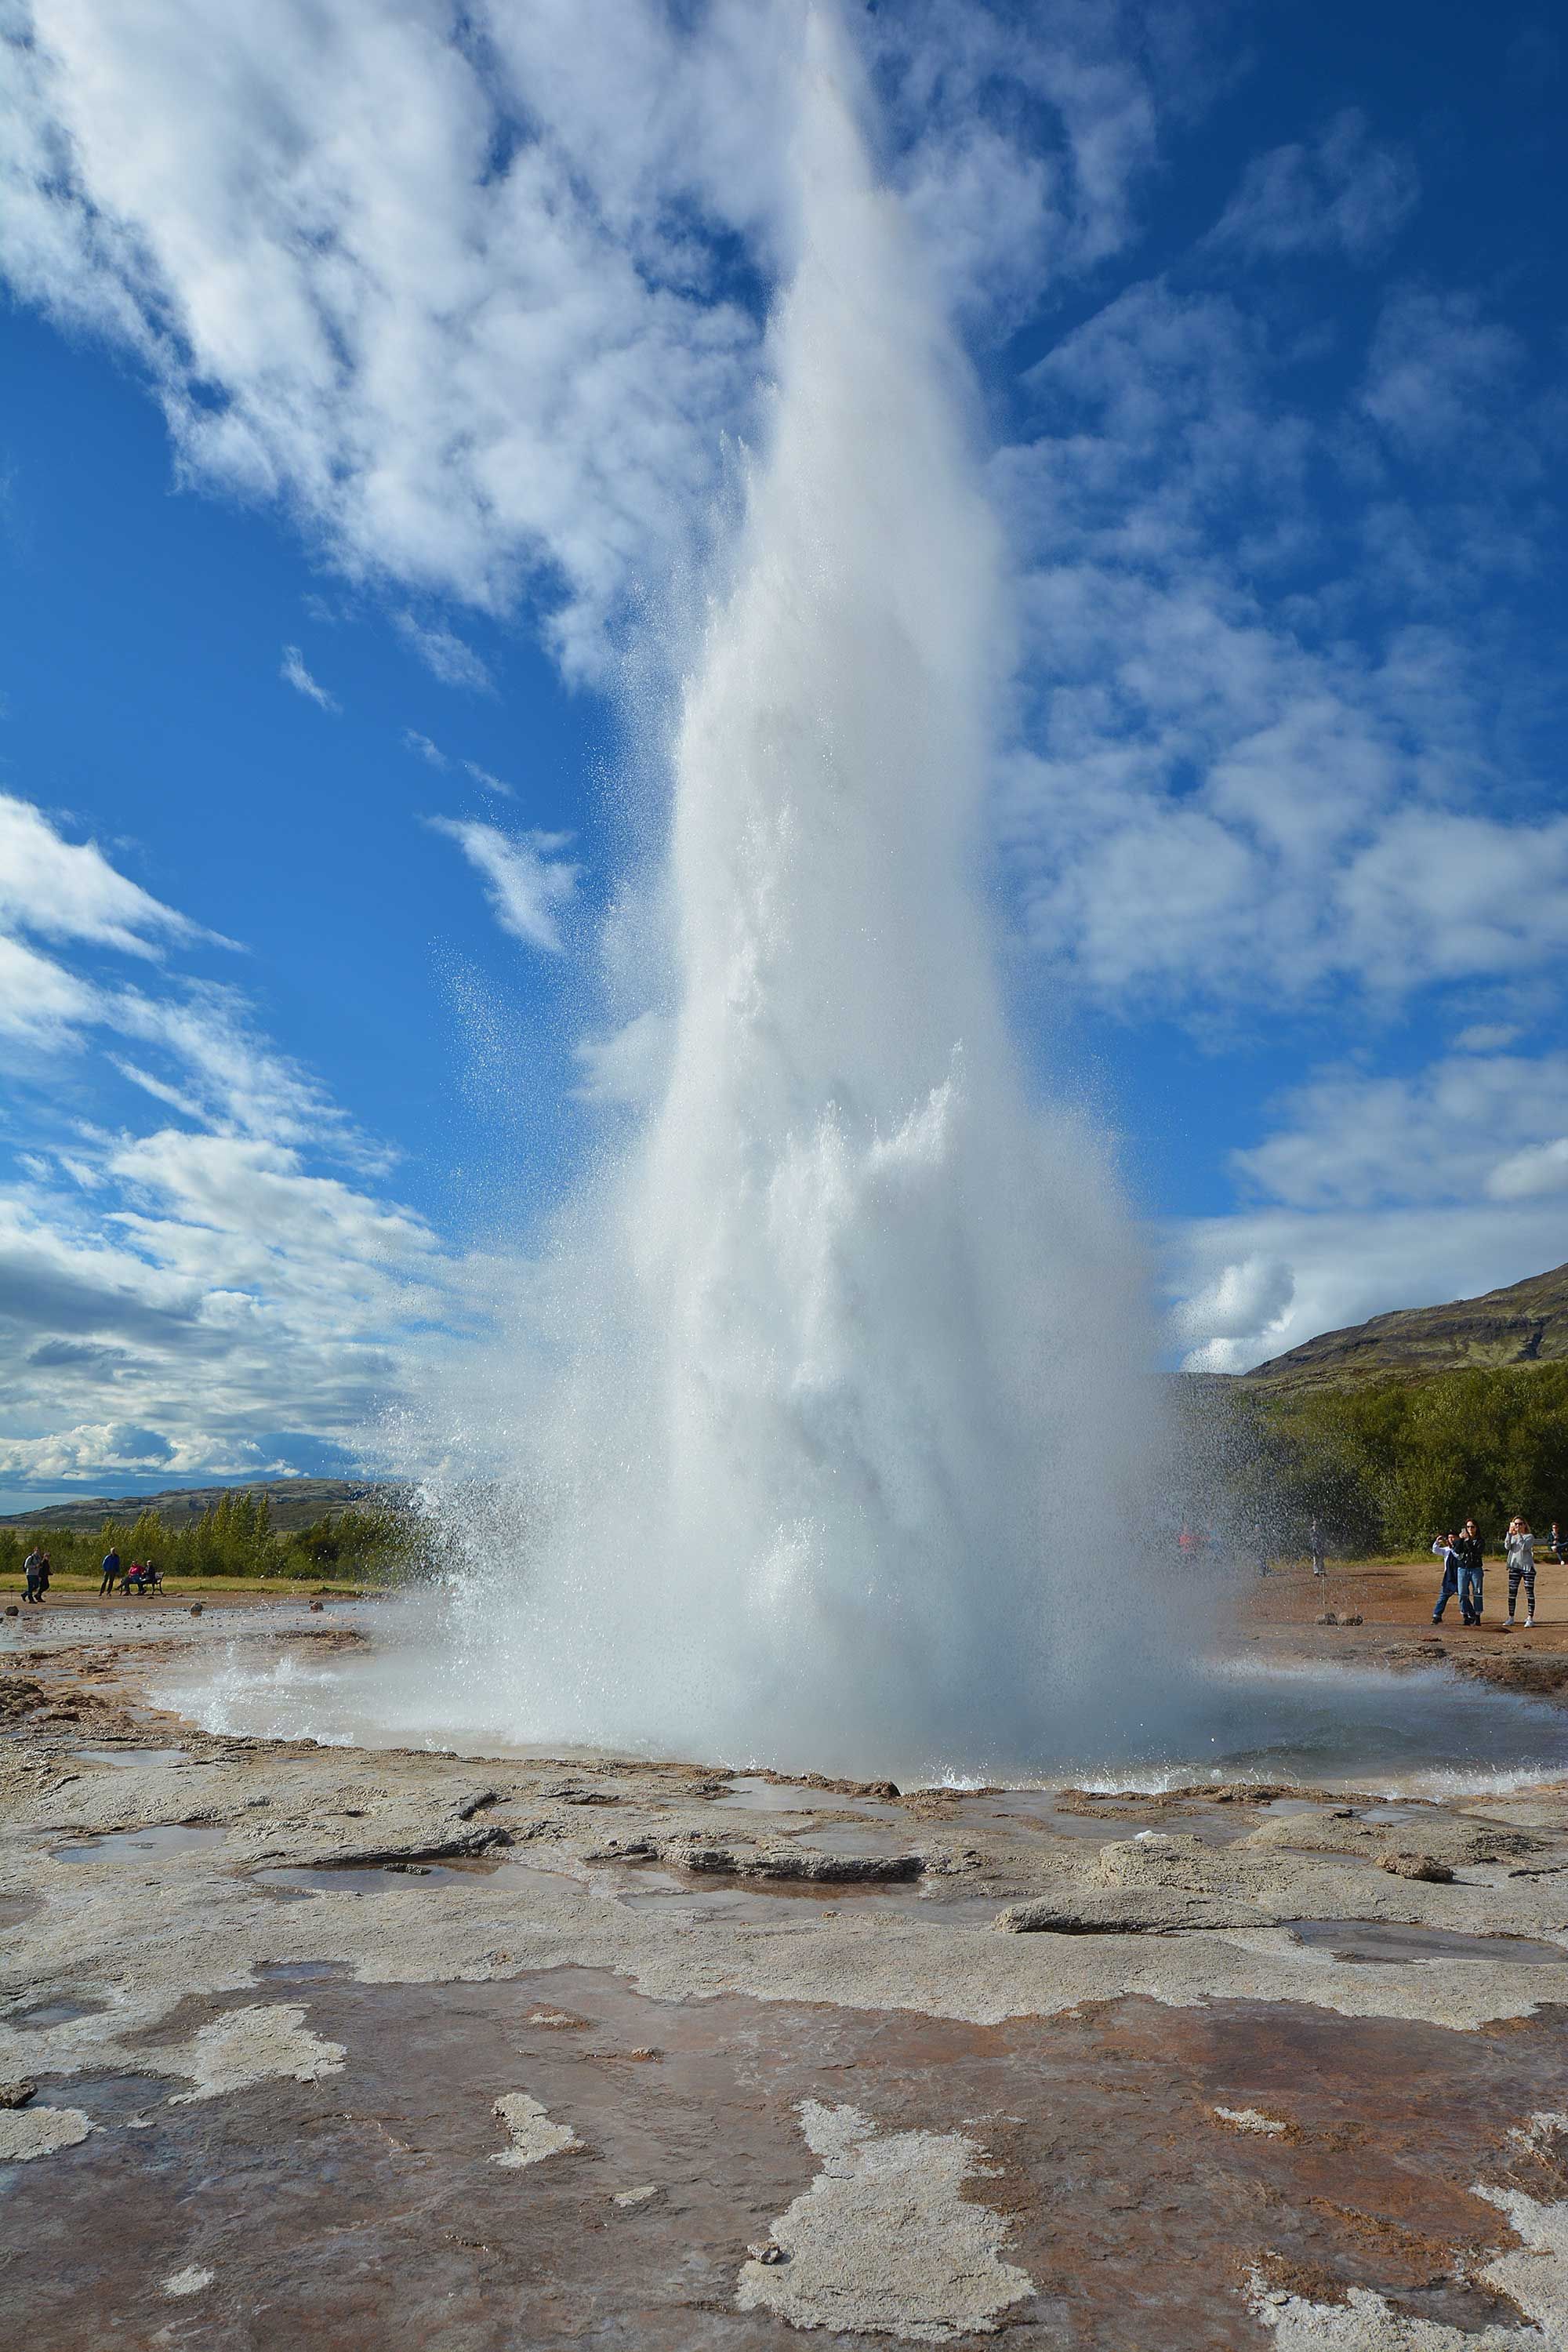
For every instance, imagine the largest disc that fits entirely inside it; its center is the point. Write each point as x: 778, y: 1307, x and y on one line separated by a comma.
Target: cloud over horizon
x: 178, y: 1300
x: 477, y: 307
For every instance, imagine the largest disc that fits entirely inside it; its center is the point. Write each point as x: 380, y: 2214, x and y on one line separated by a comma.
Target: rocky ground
x: 1379, y: 1614
x: 315, y: 2048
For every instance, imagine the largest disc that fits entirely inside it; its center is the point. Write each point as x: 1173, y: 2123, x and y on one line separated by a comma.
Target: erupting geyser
x: 852, y: 1408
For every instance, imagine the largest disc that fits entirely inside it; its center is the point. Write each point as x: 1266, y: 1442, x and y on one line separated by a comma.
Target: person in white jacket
x: 1519, y: 1545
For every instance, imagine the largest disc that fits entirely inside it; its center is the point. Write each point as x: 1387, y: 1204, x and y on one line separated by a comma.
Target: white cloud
x: 461, y: 304
x: 1539, y: 1167
x: 190, y: 1300
x: 1378, y: 1193
x: 1437, y: 370
x: 1234, y: 787
x: 59, y: 889
x: 446, y: 655
x: 526, y: 883
x: 257, y: 1197
x: 1345, y: 1266
x: 1441, y: 1134
x: 1252, y: 1295
x: 423, y: 748
x: 293, y: 672
x: 1343, y: 191
x: 1487, y: 1037
x: 488, y: 782
x: 41, y: 1005
x: 240, y: 1081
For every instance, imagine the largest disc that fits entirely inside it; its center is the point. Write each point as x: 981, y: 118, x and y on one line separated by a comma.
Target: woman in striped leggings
x: 1519, y: 1545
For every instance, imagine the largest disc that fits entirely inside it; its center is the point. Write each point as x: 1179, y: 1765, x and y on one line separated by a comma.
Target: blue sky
x: 372, y: 407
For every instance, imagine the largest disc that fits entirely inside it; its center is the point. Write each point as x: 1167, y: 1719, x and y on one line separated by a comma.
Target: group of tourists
x: 1464, y: 1568
x: 140, y: 1577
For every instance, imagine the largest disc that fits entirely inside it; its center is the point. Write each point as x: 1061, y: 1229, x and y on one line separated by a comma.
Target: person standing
x: 1467, y: 1544
x: 1518, y: 1545
x: 1320, y: 1563
x: 1444, y: 1546
x: 1557, y: 1544
x: 34, y: 1575
x: 111, y: 1577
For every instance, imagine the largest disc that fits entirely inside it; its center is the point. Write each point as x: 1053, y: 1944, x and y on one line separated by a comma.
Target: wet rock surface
x: 411, y: 2050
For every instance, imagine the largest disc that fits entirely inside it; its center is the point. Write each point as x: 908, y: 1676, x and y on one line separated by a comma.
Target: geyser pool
x: 1424, y: 1733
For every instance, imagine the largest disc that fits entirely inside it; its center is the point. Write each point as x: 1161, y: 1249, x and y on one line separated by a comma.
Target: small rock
x: 1249, y: 2119
x: 12, y: 1610
x: 16, y: 2095
x: 1329, y: 1617
x: 1419, y: 1865
x: 317, y: 1607
x: 645, y: 2055
x: 195, y: 1608
x: 190, y: 2281
x: 636, y: 2196
x: 769, y: 2252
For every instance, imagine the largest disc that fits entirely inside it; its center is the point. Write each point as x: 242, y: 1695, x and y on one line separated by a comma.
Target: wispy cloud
x: 423, y: 748
x: 170, y: 1301
x: 1438, y: 364
x: 483, y: 778
x: 446, y: 656
x: 1344, y: 189
x: 293, y: 672
x: 467, y: 303
x: 61, y: 889
x: 526, y: 883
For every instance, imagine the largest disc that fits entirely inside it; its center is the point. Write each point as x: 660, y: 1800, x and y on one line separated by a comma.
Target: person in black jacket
x: 1467, y: 1544
x: 111, y: 1576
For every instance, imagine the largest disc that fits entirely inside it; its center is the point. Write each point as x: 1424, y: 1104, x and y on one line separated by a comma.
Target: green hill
x: 1527, y: 1323
x: 295, y: 1503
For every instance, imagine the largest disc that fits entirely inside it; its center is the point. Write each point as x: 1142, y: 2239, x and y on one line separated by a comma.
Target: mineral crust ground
x: 338, y: 2049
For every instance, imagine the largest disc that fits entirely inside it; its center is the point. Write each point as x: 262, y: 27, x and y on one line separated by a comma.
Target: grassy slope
x: 295, y: 1502
x: 1527, y: 1323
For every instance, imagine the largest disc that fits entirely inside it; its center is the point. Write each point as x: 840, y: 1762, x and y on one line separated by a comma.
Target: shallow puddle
x: 1019, y: 1809
x: 849, y: 1843
x: 122, y: 1846
x: 1380, y: 1940
x: 752, y: 1795
x: 56, y: 2013
x: 129, y: 1757
x: 767, y: 1902
x: 303, y: 1971
x: 293, y: 1881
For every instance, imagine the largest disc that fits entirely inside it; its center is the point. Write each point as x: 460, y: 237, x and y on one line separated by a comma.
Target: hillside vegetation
x: 292, y: 1504
x: 231, y: 1537
x: 1525, y: 1324
x: 1388, y: 1463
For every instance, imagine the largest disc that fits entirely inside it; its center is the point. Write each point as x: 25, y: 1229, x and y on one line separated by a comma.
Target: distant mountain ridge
x: 1526, y: 1323
x: 295, y: 1503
